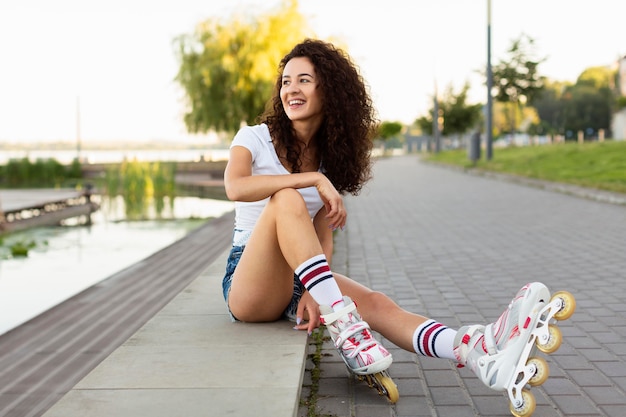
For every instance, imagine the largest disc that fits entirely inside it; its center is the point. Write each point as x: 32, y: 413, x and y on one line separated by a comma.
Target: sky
x: 104, y: 71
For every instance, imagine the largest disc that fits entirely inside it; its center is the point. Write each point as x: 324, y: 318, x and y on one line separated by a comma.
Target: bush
x: 47, y: 173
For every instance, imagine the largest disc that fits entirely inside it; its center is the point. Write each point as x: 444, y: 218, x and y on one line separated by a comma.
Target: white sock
x: 319, y: 281
x: 434, y: 339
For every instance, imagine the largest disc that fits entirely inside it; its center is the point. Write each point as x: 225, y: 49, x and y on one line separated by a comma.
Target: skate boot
x: 360, y: 351
x: 501, y: 353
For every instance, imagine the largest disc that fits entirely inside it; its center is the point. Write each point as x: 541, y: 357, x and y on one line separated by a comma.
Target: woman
x: 287, y: 176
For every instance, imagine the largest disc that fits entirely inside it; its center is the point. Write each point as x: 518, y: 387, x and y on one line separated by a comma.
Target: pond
x: 68, y: 259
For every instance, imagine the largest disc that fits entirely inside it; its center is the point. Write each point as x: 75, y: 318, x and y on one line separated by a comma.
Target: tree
x: 388, y: 130
x: 549, y: 106
x: 586, y: 109
x: 228, y: 69
x: 458, y: 116
x: 597, y: 77
x: 389, y: 133
x: 585, y: 106
x: 516, y: 79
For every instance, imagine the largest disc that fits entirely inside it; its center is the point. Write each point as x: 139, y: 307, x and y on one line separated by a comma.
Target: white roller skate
x: 363, y: 355
x: 499, y: 352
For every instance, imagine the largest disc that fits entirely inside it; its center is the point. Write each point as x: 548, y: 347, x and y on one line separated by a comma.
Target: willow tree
x: 228, y: 67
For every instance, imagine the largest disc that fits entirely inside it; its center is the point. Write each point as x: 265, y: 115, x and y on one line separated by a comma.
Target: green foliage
x: 587, y: 105
x: 457, y: 116
x: 596, y: 77
x: 16, y: 246
x: 388, y: 130
x: 22, y: 173
x: 20, y: 249
x: 516, y: 79
x: 164, y: 184
x: 139, y: 183
x: 596, y: 165
x: 228, y: 68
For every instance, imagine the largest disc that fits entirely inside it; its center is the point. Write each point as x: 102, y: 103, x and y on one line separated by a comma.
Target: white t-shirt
x: 264, y: 162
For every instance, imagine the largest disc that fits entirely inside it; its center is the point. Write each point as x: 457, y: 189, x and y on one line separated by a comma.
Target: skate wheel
x: 542, y: 372
x: 569, y: 305
x: 389, y: 387
x: 527, y: 408
x: 554, y: 340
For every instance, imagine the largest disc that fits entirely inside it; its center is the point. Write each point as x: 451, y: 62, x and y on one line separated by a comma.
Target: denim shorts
x: 233, y: 260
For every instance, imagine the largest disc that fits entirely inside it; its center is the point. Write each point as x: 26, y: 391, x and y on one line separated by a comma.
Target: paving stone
x: 456, y: 247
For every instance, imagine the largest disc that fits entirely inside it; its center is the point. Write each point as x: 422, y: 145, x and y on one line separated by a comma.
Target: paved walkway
x: 456, y: 247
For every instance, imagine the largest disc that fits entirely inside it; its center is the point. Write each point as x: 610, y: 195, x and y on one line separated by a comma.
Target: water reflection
x: 67, y: 260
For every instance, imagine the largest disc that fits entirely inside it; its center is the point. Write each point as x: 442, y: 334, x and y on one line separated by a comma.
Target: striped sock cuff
x: 314, y: 271
x: 425, y: 337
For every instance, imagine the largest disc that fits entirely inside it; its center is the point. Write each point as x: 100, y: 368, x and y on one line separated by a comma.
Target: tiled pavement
x: 456, y: 247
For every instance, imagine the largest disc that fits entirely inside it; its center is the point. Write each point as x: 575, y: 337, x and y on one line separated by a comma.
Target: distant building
x: 621, y: 68
x: 618, y: 124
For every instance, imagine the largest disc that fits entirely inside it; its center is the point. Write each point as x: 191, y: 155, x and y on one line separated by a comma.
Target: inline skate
x: 502, y: 354
x: 361, y: 352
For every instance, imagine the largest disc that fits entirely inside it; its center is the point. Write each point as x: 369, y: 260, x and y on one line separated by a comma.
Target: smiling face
x: 299, y: 94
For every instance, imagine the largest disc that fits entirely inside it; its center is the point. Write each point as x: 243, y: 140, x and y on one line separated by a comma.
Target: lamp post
x: 489, y: 115
x: 436, y: 126
x: 78, y: 144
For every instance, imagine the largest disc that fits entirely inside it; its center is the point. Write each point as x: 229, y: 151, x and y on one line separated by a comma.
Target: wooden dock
x: 44, y: 358
x: 26, y: 208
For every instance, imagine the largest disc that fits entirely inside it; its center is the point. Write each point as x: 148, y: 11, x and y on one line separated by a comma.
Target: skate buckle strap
x: 462, y: 350
x: 490, y: 341
x: 336, y: 315
x: 351, y: 330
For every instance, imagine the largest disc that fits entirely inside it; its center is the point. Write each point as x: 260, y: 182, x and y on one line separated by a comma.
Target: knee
x: 288, y: 199
x: 374, y: 303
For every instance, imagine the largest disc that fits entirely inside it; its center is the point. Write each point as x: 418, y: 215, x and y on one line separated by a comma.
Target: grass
x: 317, y: 340
x: 595, y: 165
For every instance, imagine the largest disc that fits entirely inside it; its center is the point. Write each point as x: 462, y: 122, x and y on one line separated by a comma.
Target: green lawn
x: 595, y: 165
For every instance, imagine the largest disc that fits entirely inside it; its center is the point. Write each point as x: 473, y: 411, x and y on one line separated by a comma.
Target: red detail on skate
x: 527, y: 323
x: 466, y: 339
x: 336, y: 302
x: 514, y: 332
x: 483, y: 344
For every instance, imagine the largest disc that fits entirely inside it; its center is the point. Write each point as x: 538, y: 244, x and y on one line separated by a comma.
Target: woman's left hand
x: 333, y: 201
x: 309, y: 310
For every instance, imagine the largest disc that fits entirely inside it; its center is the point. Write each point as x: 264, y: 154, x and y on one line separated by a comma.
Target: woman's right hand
x: 309, y: 310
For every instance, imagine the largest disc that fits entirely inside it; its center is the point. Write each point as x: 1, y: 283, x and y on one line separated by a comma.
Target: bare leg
x: 382, y: 313
x: 282, y: 239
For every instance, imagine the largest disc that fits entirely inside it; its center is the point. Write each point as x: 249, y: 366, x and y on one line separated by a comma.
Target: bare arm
x: 241, y: 185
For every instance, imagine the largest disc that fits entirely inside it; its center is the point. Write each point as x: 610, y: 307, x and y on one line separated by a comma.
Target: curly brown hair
x: 344, y: 139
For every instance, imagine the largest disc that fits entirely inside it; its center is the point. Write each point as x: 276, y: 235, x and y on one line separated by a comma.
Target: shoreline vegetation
x: 143, y: 186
